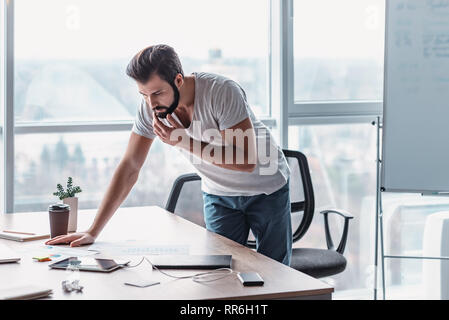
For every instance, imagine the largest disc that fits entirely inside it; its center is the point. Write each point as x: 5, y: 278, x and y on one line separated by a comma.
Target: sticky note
x: 42, y: 259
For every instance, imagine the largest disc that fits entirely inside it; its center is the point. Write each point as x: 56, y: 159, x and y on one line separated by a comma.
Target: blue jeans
x: 268, y: 217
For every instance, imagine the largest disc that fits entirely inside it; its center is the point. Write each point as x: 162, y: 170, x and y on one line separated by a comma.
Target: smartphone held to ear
x: 250, y: 279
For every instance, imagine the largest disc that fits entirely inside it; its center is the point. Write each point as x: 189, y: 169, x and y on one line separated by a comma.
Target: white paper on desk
x: 129, y: 248
x: 67, y: 251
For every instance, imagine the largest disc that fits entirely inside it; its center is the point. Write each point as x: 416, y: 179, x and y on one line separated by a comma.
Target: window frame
x: 7, y: 100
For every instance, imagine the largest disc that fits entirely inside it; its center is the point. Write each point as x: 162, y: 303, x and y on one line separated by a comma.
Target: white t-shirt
x: 220, y: 103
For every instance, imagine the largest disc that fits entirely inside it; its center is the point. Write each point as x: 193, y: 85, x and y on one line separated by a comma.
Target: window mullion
x: 8, y: 100
x: 336, y: 108
x: 281, y: 65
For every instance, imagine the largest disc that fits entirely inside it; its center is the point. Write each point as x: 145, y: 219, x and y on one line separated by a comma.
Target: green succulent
x: 71, y: 190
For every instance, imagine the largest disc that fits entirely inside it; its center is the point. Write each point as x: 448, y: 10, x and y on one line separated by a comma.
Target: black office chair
x: 317, y: 263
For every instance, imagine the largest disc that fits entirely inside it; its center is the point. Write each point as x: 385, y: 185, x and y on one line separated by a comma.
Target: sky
x: 118, y: 29
x: 111, y: 29
x: 339, y: 28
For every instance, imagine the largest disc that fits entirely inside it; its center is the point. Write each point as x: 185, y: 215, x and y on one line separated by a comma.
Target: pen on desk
x: 17, y: 232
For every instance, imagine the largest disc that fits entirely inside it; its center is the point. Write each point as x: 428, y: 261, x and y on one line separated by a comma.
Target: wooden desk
x: 157, y: 227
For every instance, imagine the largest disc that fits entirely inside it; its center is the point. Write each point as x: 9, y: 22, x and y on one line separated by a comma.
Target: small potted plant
x: 68, y: 197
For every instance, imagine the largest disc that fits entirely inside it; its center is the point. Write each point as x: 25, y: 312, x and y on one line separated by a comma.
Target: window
x: 343, y: 169
x: 70, y: 65
x: 90, y: 158
x: 69, y: 69
x: 338, y: 50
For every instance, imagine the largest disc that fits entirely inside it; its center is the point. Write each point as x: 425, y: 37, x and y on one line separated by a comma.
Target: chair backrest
x: 301, y: 193
x: 186, y: 199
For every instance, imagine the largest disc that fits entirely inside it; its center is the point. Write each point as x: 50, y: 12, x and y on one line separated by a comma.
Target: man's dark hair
x: 159, y: 59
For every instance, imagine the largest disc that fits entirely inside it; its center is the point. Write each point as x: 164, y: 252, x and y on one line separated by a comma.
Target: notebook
x: 17, y: 236
x: 191, y: 262
x: 7, y: 255
x: 24, y: 292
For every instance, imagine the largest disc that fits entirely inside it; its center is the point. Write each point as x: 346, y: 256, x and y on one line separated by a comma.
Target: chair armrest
x: 344, y: 236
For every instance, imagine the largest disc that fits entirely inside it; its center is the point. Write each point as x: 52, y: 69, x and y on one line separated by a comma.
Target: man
x: 208, y: 119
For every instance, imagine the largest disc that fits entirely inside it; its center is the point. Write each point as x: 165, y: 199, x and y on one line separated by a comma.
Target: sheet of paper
x: 67, y: 251
x: 128, y: 248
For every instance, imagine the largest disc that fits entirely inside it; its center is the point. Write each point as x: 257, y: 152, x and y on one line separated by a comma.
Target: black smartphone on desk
x: 250, y: 279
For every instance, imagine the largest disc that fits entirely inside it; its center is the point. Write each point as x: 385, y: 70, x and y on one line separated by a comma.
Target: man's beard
x: 173, y: 106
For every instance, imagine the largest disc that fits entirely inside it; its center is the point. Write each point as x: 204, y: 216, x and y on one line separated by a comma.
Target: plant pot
x: 73, y: 220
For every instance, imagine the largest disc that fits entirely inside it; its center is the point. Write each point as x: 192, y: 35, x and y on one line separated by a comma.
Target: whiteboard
x: 415, y: 142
